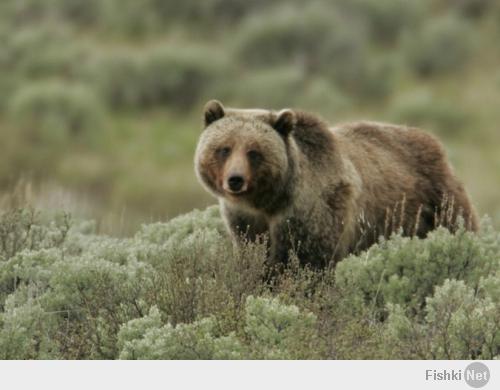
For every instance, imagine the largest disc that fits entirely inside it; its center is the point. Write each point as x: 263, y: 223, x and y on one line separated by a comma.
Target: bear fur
x: 325, y: 192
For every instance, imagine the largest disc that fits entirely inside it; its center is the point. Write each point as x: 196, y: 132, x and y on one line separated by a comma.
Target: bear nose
x: 235, y: 182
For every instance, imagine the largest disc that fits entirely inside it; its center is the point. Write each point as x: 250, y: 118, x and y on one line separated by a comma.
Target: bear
x: 324, y: 191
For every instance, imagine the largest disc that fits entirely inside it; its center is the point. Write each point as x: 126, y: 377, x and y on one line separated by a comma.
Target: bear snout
x: 236, y: 183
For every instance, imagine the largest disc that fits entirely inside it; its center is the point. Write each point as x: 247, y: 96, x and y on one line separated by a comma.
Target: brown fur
x: 326, y: 192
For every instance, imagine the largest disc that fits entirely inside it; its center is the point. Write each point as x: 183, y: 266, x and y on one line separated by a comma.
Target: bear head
x: 244, y: 155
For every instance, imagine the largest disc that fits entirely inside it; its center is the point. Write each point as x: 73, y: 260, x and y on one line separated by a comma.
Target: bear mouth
x: 236, y: 194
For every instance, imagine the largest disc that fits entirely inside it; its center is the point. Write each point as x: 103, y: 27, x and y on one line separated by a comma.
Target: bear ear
x: 214, y: 110
x: 285, y: 122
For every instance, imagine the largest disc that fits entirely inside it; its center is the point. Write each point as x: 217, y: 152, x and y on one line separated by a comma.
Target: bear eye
x: 253, y: 155
x: 223, y: 152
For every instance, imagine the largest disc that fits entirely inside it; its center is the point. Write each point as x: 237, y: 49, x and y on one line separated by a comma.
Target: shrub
x: 55, y: 113
x: 278, y: 331
x: 26, y: 11
x: 443, y: 45
x: 28, y: 269
x: 149, y: 17
x: 182, y: 290
x: 99, y: 294
x: 332, y: 48
x: 386, y: 19
x: 227, y: 11
x: 24, y: 229
x: 469, y: 8
x: 200, y: 273
x: 179, y: 77
x: 312, y: 37
x: 375, y: 80
x: 271, y: 88
x: 272, y: 330
x: 136, y: 19
x: 421, y: 109
x: 182, y: 228
x: 26, y: 330
x: 80, y: 12
x: 42, y: 51
x: 117, y: 77
x: 405, y: 270
x: 145, y: 338
x: 324, y: 96
x: 172, y: 76
x: 459, y: 324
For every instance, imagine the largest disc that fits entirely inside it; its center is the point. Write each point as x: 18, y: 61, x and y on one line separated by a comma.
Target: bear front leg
x: 243, y: 224
x: 314, y: 244
x: 286, y: 235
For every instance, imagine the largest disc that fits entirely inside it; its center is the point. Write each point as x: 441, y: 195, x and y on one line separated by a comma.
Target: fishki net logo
x: 476, y: 375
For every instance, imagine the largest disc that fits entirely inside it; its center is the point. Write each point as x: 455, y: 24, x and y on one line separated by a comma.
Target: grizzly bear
x: 325, y: 192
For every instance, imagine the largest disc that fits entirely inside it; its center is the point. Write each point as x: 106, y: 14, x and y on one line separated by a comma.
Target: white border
x: 234, y: 375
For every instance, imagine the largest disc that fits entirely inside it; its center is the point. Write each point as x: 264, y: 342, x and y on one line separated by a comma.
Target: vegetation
x: 101, y: 100
x: 182, y: 290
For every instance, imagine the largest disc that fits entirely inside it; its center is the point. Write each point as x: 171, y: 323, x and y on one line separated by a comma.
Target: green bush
x: 55, y: 113
x: 313, y: 38
x: 278, y: 331
x: 14, y: 12
x: 26, y: 330
x: 469, y: 8
x: 136, y: 19
x: 80, y: 12
x: 221, y: 12
x: 142, y: 19
x: 374, y: 81
x: 180, y: 77
x: 116, y: 76
x: 317, y: 42
x: 322, y: 95
x: 146, y: 338
x: 422, y: 109
x: 271, y: 88
x: 285, y: 86
x: 100, y: 293
x: 405, y: 270
x: 459, y: 324
x: 43, y: 51
x: 386, y: 19
x: 182, y: 290
x: 160, y: 76
x: 272, y: 331
x: 181, y: 229
x: 441, y: 46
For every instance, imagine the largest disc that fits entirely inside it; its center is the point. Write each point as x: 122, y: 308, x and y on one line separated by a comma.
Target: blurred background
x: 100, y: 103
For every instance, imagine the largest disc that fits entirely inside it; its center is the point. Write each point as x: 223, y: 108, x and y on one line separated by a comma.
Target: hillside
x: 101, y: 99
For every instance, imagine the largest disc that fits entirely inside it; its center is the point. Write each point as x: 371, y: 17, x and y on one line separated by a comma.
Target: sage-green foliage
x: 183, y: 290
x: 420, y: 108
x: 459, y: 323
x: 443, y: 45
x: 271, y: 331
x: 148, y: 338
x: 52, y: 114
x: 404, y: 270
x: 171, y: 76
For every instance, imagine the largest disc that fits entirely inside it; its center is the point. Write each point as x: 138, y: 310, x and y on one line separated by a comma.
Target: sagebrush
x: 182, y: 290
